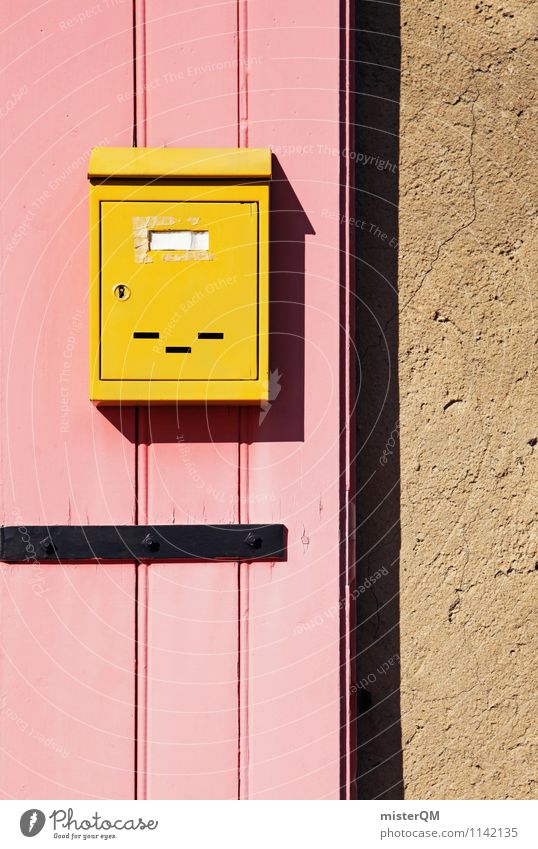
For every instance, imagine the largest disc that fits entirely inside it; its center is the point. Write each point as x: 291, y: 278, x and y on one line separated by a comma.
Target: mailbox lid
x: 170, y: 162
x: 184, y: 314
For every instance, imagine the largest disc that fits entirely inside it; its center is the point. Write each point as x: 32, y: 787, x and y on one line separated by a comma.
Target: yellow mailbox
x: 179, y: 273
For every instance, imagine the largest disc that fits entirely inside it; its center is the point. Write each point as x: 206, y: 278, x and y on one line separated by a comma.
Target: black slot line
x: 211, y: 336
x: 145, y: 335
x: 175, y: 349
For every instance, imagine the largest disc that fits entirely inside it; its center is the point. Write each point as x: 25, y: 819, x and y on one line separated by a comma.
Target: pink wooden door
x: 205, y: 680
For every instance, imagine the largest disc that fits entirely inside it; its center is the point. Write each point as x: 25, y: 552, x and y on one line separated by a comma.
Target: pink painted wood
x: 240, y: 669
x: 192, y: 676
x: 226, y: 74
x: 66, y: 632
x: 294, y: 693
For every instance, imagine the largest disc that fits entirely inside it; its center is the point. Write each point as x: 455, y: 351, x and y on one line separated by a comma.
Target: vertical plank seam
x: 141, y: 446
x: 139, y: 70
x: 346, y: 361
x: 243, y: 455
x: 136, y: 694
x: 351, y: 403
x: 242, y: 72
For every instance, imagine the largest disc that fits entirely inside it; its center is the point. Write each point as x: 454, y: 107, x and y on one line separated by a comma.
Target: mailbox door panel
x: 188, y: 309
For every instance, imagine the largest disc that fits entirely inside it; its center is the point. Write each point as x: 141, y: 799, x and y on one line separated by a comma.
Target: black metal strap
x: 68, y: 543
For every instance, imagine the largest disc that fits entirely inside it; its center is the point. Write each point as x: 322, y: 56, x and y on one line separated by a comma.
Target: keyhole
x: 122, y: 292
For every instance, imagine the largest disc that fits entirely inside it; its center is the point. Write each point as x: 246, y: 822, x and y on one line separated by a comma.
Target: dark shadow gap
x: 377, y: 669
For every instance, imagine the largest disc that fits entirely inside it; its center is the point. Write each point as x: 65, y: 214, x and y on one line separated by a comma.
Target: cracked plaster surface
x: 468, y: 398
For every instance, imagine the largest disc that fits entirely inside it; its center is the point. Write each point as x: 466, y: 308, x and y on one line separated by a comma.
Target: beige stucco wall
x: 468, y: 354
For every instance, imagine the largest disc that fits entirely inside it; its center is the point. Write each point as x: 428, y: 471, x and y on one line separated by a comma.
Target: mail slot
x: 179, y: 275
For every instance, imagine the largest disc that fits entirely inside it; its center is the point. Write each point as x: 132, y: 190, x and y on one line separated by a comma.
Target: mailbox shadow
x: 377, y: 107
x: 281, y: 419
